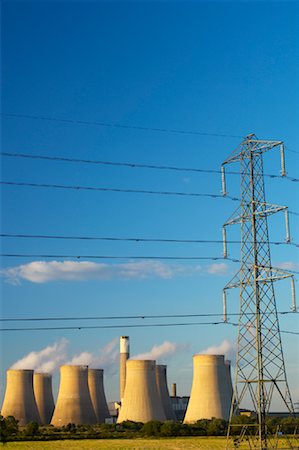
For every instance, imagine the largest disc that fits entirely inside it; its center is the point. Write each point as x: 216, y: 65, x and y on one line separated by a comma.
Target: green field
x: 204, y: 443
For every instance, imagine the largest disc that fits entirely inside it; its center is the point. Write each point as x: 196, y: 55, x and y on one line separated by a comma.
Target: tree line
x: 11, y: 431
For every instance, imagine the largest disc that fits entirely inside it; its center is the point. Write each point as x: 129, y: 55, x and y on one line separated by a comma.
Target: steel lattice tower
x: 260, y: 367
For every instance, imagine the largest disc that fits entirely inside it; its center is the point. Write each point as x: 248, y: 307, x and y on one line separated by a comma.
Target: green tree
x: 8, y: 427
x: 170, y: 428
x: 151, y: 428
x: 32, y: 429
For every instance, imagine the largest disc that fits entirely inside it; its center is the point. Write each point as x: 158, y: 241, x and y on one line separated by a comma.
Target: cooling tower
x: 19, y: 400
x: 210, y: 393
x: 141, y: 402
x: 97, y: 394
x: 73, y: 401
x: 161, y: 379
x: 229, y: 378
x: 124, y: 356
x: 42, y: 385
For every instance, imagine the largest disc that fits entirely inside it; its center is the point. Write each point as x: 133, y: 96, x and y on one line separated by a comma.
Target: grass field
x: 201, y: 443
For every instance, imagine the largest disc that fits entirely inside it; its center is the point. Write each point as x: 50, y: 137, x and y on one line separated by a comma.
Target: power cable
x: 131, y: 165
x: 291, y: 150
x: 114, y: 125
x: 154, y: 325
x: 143, y: 317
x: 133, y: 257
x: 104, y: 189
x: 135, y: 239
x: 27, y: 255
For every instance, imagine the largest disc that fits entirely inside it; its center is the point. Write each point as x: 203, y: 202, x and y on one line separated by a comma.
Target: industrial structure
x: 124, y: 344
x: 141, y: 401
x: 73, y: 402
x: 19, y: 400
x: 161, y: 380
x: 227, y: 363
x: 97, y: 394
x: 210, y: 396
x: 260, y: 367
x: 42, y: 386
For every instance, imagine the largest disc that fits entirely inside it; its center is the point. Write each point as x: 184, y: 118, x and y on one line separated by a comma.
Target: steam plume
x: 161, y: 351
x: 46, y: 360
x: 226, y: 348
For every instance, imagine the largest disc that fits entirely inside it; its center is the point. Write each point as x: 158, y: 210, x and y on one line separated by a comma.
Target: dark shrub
x: 151, y: 428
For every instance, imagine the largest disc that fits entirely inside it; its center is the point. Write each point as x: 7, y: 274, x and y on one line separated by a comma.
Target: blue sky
x: 213, y: 67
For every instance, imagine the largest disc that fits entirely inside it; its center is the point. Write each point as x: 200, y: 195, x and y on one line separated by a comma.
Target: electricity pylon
x: 260, y: 367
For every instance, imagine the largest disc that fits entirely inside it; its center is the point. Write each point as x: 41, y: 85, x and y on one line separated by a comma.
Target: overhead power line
x: 143, y: 317
x: 291, y: 150
x: 130, y: 164
x: 115, y: 125
x: 28, y: 255
x: 153, y: 325
x: 134, y: 239
x: 133, y: 257
x: 104, y: 189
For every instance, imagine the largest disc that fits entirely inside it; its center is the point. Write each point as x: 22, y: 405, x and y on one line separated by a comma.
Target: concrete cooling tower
x: 161, y: 379
x: 73, y: 401
x: 229, y: 378
x: 141, y: 402
x: 42, y: 386
x: 210, y: 395
x: 19, y: 400
x: 124, y: 356
x: 97, y: 394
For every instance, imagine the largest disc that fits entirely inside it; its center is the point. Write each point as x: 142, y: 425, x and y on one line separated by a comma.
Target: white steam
x: 226, y: 348
x: 162, y: 351
x: 46, y: 360
x: 51, y: 357
x: 106, y: 358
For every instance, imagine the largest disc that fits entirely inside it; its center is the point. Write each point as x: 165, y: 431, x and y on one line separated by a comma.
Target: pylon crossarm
x: 280, y: 273
x: 234, y: 282
x: 235, y: 217
x: 235, y: 156
x: 261, y: 146
x: 267, y: 208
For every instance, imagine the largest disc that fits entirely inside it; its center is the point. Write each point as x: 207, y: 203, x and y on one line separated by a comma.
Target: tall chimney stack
x: 124, y: 356
x: 42, y: 385
x: 173, y: 390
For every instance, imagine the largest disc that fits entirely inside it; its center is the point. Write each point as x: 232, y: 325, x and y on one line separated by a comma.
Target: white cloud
x: 217, y: 269
x: 162, y: 351
x: 226, y: 348
x: 46, y: 271
x: 45, y: 360
x: 288, y: 265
